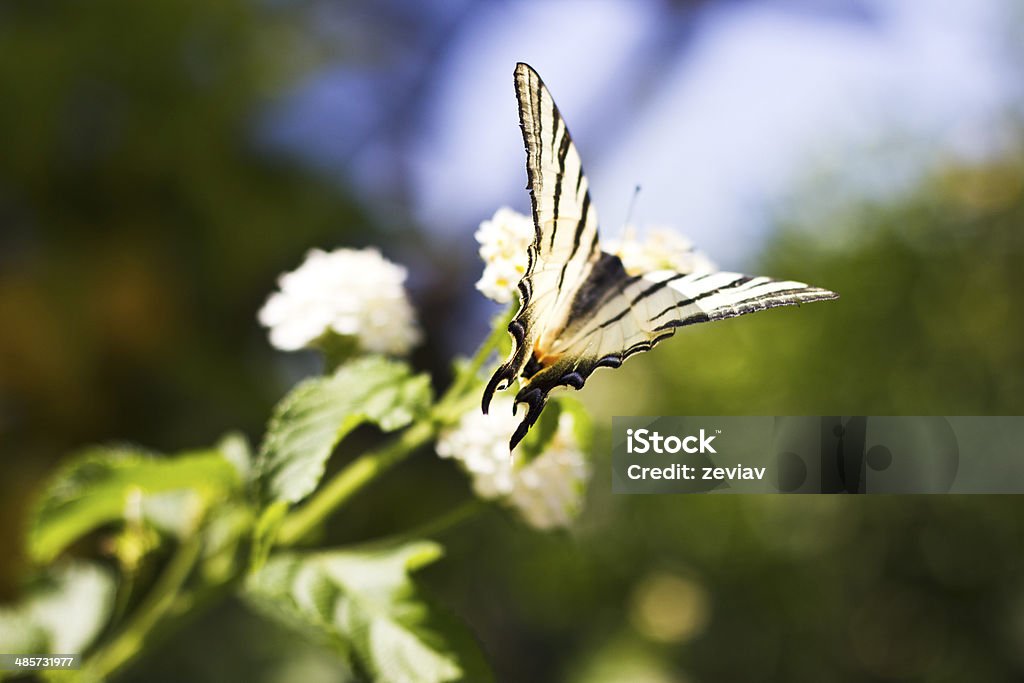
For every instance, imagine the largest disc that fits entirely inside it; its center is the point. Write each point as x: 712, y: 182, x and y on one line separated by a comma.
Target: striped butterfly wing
x: 580, y: 310
x: 619, y: 315
x: 564, y: 248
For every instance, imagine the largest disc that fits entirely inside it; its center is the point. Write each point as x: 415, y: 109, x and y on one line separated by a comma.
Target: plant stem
x: 166, y: 595
x: 499, y: 333
x: 446, y: 521
x: 369, y: 466
x: 155, y: 606
x: 355, y: 476
x: 452, y: 405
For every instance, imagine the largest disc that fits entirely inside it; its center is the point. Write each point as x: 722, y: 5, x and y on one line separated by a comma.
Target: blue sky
x: 745, y: 101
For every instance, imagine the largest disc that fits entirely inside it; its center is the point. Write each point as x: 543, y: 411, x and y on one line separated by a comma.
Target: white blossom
x: 662, y: 249
x: 503, y: 243
x: 547, y: 492
x: 354, y: 293
x: 505, y: 237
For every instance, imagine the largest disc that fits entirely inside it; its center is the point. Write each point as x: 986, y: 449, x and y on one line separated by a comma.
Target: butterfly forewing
x: 565, y: 222
x: 648, y: 309
x: 564, y: 247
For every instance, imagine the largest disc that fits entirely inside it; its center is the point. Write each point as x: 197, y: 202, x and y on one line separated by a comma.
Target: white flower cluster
x: 663, y: 249
x: 355, y: 293
x: 505, y: 237
x: 547, y: 492
x: 503, y: 242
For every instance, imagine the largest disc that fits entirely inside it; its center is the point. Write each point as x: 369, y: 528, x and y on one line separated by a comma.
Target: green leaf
x: 63, y: 613
x: 320, y: 412
x: 235, y: 449
x: 362, y: 602
x: 104, y: 485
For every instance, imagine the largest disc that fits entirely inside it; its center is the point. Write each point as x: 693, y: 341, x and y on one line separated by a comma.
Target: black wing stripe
x: 747, y: 306
x: 595, y: 250
x: 667, y: 310
x: 612, y: 321
x: 654, y: 288
x: 538, y: 152
x: 584, y: 209
x: 580, y: 224
x: 701, y: 317
x: 563, y: 149
x: 738, y: 283
x: 784, y: 297
x: 685, y: 302
x: 644, y: 346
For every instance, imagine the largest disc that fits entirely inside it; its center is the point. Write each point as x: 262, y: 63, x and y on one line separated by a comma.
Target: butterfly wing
x: 564, y: 248
x: 580, y: 309
x: 618, y: 316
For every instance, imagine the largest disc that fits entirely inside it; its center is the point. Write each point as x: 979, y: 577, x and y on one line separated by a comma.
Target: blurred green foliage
x: 142, y: 228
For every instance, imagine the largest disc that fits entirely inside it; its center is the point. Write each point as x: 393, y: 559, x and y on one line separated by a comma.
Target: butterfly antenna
x: 627, y: 227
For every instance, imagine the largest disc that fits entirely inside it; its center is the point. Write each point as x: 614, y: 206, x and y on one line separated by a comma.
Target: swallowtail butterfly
x: 579, y: 308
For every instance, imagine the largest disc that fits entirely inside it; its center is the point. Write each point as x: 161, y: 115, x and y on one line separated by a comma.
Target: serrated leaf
x: 97, y: 486
x: 63, y: 613
x: 317, y: 414
x: 363, y: 603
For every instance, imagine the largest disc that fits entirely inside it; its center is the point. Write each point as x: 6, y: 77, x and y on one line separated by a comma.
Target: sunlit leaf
x: 235, y: 449
x: 104, y: 485
x: 62, y: 614
x: 317, y: 414
x: 364, y: 605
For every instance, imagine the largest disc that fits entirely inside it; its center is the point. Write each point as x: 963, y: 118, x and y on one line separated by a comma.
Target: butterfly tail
x: 534, y: 398
x: 510, y: 369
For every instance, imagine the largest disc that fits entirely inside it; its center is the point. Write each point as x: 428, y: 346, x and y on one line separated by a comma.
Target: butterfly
x: 580, y: 309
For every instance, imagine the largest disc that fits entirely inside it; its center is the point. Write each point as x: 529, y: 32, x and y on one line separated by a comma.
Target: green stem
x: 348, y: 481
x: 369, y: 466
x: 499, y: 333
x: 130, y: 641
x: 166, y: 594
x: 452, y: 404
x: 446, y: 521
x: 336, y: 349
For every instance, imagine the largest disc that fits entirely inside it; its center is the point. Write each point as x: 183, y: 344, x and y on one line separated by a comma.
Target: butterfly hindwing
x: 580, y: 309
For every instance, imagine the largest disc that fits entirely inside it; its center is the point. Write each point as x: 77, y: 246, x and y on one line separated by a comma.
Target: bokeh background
x: 162, y: 162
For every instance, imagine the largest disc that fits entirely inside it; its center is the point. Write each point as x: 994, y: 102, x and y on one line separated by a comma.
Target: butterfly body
x: 580, y: 307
